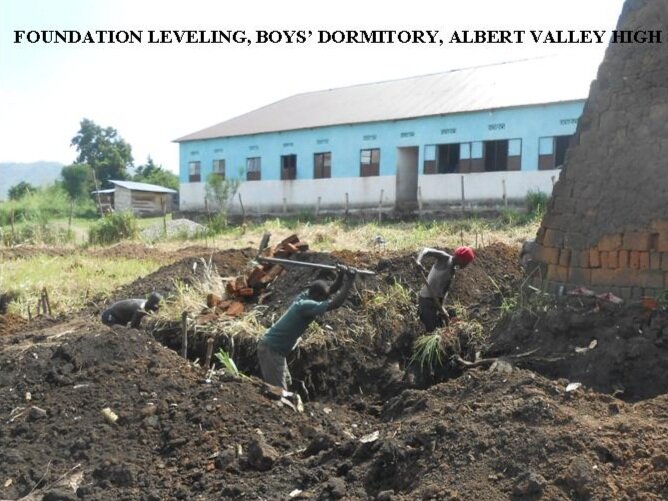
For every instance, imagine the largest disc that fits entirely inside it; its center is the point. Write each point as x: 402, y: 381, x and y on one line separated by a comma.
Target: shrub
x: 536, y: 202
x: 114, y: 228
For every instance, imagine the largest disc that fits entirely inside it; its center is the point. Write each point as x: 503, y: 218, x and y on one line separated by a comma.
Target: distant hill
x: 35, y: 173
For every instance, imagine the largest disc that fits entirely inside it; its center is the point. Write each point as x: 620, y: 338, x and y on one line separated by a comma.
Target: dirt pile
x: 486, y: 435
x: 620, y: 349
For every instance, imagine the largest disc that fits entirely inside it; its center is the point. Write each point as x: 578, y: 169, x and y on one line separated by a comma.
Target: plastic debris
x: 371, y: 437
x: 572, y: 387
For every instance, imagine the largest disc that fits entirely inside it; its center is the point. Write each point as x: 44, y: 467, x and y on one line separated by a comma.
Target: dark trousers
x: 430, y: 317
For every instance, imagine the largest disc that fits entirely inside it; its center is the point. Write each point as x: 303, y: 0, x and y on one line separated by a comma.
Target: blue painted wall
x: 528, y: 123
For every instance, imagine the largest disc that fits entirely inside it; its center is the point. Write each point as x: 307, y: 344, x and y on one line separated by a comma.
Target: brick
x: 650, y: 278
x: 610, y: 242
x: 575, y: 241
x: 638, y: 241
x: 644, y: 260
x: 548, y: 255
x: 664, y: 261
x: 613, y: 259
x: 579, y: 276
x: 553, y: 238
x: 557, y: 273
x: 655, y: 260
x: 662, y: 243
x: 623, y: 259
x: 564, y: 257
x: 584, y: 259
x: 602, y: 276
x: 603, y: 258
x: 594, y: 261
x: 634, y: 260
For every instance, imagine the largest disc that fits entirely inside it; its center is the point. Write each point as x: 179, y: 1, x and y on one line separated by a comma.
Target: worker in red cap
x: 435, y: 291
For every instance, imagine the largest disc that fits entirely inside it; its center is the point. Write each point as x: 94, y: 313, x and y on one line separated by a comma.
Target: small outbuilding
x: 141, y: 198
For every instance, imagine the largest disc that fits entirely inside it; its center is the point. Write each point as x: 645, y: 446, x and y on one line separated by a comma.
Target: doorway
x: 407, y: 177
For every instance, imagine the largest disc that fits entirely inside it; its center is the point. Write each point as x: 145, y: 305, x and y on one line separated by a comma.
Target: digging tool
x: 305, y: 264
x: 265, y: 242
x: 439, y: 305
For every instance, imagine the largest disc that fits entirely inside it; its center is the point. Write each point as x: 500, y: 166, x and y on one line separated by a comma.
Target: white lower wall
x: 484, y: 186
x: 267, y: 196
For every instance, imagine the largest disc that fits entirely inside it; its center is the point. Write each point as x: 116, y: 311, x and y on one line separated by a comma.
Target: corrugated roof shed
x: 504, y: 85
x: 134, y: 186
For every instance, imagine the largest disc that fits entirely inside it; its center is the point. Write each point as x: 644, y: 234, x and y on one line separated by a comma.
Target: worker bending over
x: 131, y: 310
x: 439, y: 280
x: 282, y: 337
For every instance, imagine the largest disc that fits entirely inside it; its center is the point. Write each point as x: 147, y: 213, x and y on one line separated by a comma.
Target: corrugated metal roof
x: 134, y: 186
x: 504, y: 85
x: 103, y: 192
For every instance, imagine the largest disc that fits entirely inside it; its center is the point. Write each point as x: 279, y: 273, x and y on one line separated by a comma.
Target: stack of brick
x: 607, y: 223
x: 252, y: 285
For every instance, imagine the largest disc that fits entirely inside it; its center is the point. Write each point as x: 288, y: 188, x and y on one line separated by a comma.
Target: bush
x: 35, y: 233
x: 536, y: 202
x: 114, y: 228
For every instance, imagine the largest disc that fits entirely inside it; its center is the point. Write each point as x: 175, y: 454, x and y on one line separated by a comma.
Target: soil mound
x: 616, y: 349
x: 486, y: 435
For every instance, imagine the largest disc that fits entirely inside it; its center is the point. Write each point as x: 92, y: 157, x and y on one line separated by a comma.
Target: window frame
x: 322, y: 165
x: 370, y: 168
x: 289, y: 172
x: 253, y: 171
x: 192, y: 166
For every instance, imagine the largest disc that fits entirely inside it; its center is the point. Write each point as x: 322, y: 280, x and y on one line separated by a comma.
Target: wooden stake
x: 346, y: 206
x: 463, y: 196
x: 380, y: 206
x: 45, y: 294
x: 163, y: 203
x: 29, y: 314
x: 505, y: 197
x: 317, y: 207
x: 243, y: 210
x: 184, y: 334
x: 209, y: 352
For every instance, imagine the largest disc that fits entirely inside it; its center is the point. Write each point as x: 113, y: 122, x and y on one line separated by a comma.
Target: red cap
x: 464, y: 255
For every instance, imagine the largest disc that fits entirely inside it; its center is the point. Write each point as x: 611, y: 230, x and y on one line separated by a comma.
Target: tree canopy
x: 77, y: 181
x: 156, y: 174
x: 103, y: 150
x: 20, y: 190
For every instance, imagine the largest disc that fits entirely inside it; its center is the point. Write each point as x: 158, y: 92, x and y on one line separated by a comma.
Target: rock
x: 385, y: 496
x: 225, y: 459
x: 336, y: 487
x: 579, y: 477
x: 320, y: 442
x: 36, y: 413
x: 152, y: 421
x: 261, y: 456
x: 529, y: 484
x: 59, y: 495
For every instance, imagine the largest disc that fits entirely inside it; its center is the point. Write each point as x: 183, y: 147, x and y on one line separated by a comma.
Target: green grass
x: 71, y: 281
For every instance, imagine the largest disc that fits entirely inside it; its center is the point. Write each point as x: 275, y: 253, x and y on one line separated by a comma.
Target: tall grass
x: 72, y: 281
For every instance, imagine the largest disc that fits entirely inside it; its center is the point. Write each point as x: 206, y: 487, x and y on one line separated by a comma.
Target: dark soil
x: 481, y: 434
x: 485, y: 435
x: 630, y: 357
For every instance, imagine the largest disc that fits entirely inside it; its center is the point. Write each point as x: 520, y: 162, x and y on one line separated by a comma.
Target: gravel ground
x: 177, y: 227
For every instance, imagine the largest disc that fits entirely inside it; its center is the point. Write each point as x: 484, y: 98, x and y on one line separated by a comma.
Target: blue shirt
x: 282, y: 337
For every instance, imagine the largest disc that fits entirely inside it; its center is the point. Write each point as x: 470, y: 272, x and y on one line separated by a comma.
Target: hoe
x: 289, y: 262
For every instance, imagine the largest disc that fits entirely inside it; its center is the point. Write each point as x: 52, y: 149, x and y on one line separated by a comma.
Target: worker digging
x: 131, y: 311
x: 282, y: 337
x: 437, y: 284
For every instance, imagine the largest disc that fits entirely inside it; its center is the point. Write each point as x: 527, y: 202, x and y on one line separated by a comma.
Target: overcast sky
x: 153, y: 94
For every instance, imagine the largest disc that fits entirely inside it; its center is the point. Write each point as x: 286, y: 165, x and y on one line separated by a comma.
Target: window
x: 194, y: 172
x: 561, y: 144
x: 253, y: 169
x: 552, y: 151
x: 219, y: 168
x: 370, y: 162
x: 288, y: 167
x: 496, y: 156
x: 322, y: 165
x: 442, y: 158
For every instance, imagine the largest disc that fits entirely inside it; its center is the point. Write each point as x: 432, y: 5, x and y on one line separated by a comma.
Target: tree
x: 103, y: 150
x: 156, y: 174
x: 77, y: 181
x: 20, y: 190
x: 220, y: 191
